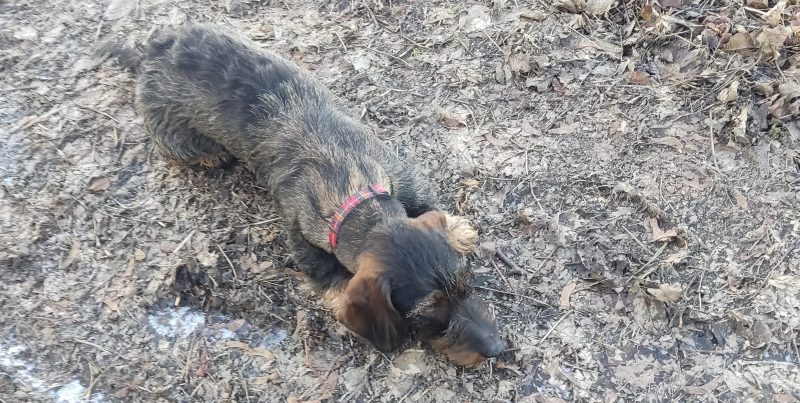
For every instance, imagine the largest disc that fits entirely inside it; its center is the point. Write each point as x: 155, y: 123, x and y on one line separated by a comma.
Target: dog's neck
x: 370, y: 215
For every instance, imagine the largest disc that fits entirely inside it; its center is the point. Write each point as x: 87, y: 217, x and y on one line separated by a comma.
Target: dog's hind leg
x: 175, y: 139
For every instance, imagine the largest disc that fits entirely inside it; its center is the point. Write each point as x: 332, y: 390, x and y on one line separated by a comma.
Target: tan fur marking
x: 432, y: 220
x: 460, y: 233
x: 458, y: 355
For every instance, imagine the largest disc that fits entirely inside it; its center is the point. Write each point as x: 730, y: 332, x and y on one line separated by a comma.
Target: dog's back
x: 208, y: 96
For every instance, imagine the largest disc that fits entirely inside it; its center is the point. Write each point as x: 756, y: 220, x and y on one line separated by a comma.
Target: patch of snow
x: 176, y: 322
x: 274, y: 337
x: 226, y: 334
x: 72, y: 392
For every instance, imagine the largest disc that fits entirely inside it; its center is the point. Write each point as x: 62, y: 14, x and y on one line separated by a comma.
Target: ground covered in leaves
x: 633, y: 168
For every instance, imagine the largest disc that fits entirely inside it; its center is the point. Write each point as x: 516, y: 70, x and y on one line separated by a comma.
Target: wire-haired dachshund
x: 362, y: 225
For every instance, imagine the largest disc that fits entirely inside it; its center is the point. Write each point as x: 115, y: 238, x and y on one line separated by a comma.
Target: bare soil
x: 633, y: 168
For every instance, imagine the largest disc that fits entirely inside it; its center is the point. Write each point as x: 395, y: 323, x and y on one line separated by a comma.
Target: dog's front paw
x: 461, y: 235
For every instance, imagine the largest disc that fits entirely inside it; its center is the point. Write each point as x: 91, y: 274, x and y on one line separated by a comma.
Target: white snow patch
x: 72, y: 392
x: 226, y: 334
x: 180, y: 322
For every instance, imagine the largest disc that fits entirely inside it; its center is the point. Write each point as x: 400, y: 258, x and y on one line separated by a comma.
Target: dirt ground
x: 633, y: 168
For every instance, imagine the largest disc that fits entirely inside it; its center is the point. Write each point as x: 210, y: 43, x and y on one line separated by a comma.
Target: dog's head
x: 410, y: 277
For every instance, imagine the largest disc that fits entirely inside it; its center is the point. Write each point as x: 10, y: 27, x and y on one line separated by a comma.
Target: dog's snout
x: 494, y: 348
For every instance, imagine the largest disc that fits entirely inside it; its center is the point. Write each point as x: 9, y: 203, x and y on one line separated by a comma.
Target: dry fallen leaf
x: 360, y: 63
x: 677, y: 257
x: 139, y: 254
x: 740, y: 126
x: 560, y: 87
x: 774, y: 16
x: 411, y: 362
x: 741, y: 200
x: 519, y: 63
x: 770, y: 40
x: 760, y: 4
x: 118, y: 8
x: 789, y: 90
x: 739, y: 41
x: 470, y: 183
x: 566, y: 293
x: 648, y: 13
x: 572, y: 6
x: 74, y: 254
x: 511, y: 367
x: 477, y: 18
x: 611, y: 49
x: 659, y: 234
x: 536, y: 15
x: 261, y: 380
x: 730, y: 93
x: 639, y: 77
x: 232, y: 326
x: 566, y: 129
x: 451, y: 118
x: 706, y: 389
x: 760, y: 334
x: 262, y: 352
x: 666, y: 292
x: 671, y: 141
x: 207, y: 258
x: 252, y: 351
x: 99, y: 184
x: 599, y: 7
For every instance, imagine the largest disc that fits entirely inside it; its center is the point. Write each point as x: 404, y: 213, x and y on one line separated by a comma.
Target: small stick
x: 636, y: 239
x: 546, y: 335
x: 97, y: 346
x: 515, y: 269
x: 98, y: 112
x: 534, y: 300
x: 652, y: 258
x: 236, y: 276
x: 390, y: 55
x: 713, y: 151
x: 180, y: 245
x: 500, y: 272
x: 38, y: 119
x: 545, y: 260
x: 267, y: 221
x: 341, y: 41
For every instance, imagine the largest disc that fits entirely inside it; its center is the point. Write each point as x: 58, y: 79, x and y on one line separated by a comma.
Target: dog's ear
x: 366, y: 308
x: 461, y: 235
x: 432, y: 220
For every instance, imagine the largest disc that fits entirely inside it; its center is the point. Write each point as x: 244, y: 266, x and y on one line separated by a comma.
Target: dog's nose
x: 494, y: 348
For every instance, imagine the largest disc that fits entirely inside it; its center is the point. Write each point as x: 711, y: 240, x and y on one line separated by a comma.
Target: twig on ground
x: 515, y: 269
x: 546, y: 335
x: 267, y: 221
x: 185, y: 240
x: 652, y: 258
x: 97, y: 346
x: 233, y: 269
x: 534, y: 300
x: 544, y: 261
x: 644, y: 248
x: 38, y: 119
x: 503, y: 276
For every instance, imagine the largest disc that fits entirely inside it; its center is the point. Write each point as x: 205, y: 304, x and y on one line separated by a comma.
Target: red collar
x: 351, y: 203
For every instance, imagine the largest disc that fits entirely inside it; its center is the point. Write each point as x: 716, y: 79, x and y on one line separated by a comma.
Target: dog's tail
x: 128, y: 55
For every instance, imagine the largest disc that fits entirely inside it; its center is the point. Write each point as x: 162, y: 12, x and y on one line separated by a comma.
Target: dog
x: 361, y: 224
